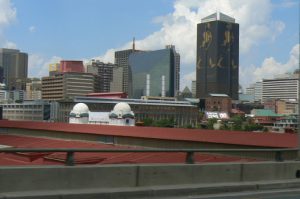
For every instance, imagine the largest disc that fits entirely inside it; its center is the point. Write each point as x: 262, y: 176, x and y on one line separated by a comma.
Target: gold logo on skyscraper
x: 228, y: 36
x: 207, y: 37
x: 215, y: 64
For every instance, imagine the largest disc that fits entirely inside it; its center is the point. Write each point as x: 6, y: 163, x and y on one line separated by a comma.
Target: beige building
x: 282, y: 106
x: 33, y: 89
x: 67, y: 85
x: 116, y: 85
x: 30, y: 111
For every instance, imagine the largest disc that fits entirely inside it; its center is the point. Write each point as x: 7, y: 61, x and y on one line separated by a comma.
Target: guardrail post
x: 70, y: 159
x: 278, y: 156
x: 189, y: 159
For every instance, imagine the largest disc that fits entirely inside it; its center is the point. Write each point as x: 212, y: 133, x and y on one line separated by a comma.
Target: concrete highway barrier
x: 14, y: 179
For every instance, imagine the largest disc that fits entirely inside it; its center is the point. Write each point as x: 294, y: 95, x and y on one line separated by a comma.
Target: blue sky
x: 51, y: 30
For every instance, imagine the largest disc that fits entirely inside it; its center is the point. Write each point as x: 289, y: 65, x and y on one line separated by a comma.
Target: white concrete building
x: 284, y: 88
x: 121, y: 115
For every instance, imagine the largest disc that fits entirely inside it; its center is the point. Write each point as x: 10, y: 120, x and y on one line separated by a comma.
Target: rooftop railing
x: 189, y: 158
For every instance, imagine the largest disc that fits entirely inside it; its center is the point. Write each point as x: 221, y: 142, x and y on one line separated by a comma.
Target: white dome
x: 122, y: 107
x: 80, y: 108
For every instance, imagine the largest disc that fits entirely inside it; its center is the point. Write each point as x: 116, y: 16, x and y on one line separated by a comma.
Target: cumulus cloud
x: 179, y: 28
x: 7, y: 16
x: 270, y: 67
x: 9, y: 44
x: 38, y: 66
x: 7, y: 13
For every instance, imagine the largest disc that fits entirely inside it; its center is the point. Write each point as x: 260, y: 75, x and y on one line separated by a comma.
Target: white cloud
x: 179, y: 28
x: 9, y: 44
x: 32, y: 29
x: 38, y: 66
x: 269, y: 68
x: 7, y: 16
x: 7, y: 13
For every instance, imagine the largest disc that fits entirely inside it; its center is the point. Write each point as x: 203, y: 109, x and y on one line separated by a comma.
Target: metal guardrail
x: 188, y: 160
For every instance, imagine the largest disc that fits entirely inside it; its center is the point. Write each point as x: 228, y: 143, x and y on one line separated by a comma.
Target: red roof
x: 91, y: 158
x: 194, y: 135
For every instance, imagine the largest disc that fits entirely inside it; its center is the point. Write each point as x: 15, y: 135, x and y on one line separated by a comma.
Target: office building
x: 17, y: 95
x: 177, y: 68
x: 67, y: 85
x: 152, y: 73
x: 217, y: 68
x: 121, y: 59
x: 116, y: 85
x: 251, y: 90
x: 105, y: 73
x: 284, y: 87
x: 258, y: 88
x: 28, y: 110
x: 33, y: 89
x: 13, y: 68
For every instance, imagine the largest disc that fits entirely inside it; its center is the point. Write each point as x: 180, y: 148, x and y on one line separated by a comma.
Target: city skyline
x: 82, y: 30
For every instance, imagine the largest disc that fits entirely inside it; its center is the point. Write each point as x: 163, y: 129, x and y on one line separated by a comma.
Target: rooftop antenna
x: 133, y: 44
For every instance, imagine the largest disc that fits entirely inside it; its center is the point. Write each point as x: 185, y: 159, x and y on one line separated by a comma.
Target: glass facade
x: 217, y: 59
x: 155, y: 64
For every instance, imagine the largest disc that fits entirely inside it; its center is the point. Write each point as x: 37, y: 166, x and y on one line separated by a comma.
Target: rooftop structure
x: 218, y: 16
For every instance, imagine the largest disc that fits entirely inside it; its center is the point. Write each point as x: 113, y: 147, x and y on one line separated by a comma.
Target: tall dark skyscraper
x: 13, y: 68
x: 217, y: 56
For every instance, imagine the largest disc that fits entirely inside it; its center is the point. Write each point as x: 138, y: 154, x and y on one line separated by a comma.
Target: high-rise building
x: 284, y: 87
x: 258, y: 91
x: 116, y: 85
x: 152, y: 73
x: 13, y: 68
x: 67, y: 85
x: 177, y: 68
x: 105, y: 73
x: 121, y: 59
x: 217, y: 56
x: 251, y: 90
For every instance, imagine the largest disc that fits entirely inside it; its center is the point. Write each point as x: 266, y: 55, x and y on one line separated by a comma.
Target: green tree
x: 210, y: 123
x: 237, y: 123
x: 148, y: 122
x: 165, y: 123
